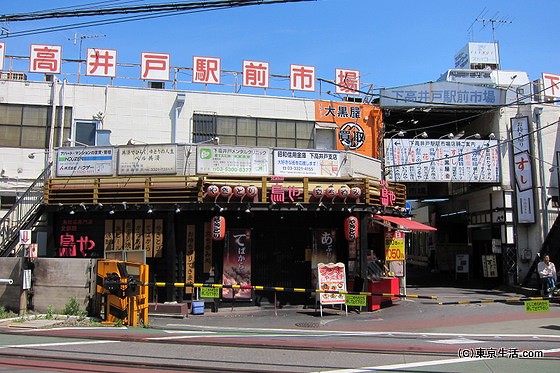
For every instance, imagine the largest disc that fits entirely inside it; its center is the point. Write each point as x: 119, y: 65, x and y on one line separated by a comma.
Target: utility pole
x: 81, y: 39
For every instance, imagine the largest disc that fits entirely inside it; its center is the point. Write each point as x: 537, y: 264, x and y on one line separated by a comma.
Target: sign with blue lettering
x: 442, y: 93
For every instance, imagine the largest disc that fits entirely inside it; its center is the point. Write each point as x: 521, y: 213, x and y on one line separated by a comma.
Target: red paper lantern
x: 252, y: 191
x: 212, y: 190
x: 218, y: 226
x: 355, y: 192
x: 343, y: 192
x: 239, y: 191
x: 225, y: 191
x: 317, y: 192
x: 351, y: 228
x: 330, y: 192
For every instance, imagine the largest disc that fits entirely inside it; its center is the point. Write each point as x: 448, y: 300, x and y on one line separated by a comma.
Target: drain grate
x: 308, y: 324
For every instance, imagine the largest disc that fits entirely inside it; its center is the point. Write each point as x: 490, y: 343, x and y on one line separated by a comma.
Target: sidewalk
x: 405, y: 316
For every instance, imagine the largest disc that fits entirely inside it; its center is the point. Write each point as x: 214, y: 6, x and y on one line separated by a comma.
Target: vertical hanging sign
x: 523, y: 169
x: 237, y: 263
x: 189, y: 258
x: 207, y: 250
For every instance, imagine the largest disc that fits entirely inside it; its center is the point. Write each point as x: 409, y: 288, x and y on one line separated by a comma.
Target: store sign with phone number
x: 394, y: 246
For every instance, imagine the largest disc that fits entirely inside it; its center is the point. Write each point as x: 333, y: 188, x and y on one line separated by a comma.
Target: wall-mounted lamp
x: 476, y: 136
x: 83, y: 205
x: 491, y: 136
x: 124, y: 205
x: 449, y: 136
x: 248, y: 209
x: 399, y: 134
x: 321, y: 206
x: 99, y: 205
x: 135, y: 142
x: 299, y: 206
x: 150, y: 210
x: 272, y: 205
x: 218, y: 208
x: 422, y: 135
x: 71, y: 212
x: 112, y: 210
x: 177, y: 209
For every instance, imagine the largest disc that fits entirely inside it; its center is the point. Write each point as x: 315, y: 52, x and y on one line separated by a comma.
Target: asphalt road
x: 413, y: 335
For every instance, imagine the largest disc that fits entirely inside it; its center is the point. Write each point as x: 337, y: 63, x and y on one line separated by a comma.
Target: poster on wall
x: 489, y: 266
x: 324, y: 250
x: 331, y: 277
x: 232, y: 160
x: 147, y: 159
x: 84, y: 161
x: 237, y: 264
x: 299, y: 162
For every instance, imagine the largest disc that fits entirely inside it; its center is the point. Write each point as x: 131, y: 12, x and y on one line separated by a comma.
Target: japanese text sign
x: 347, y: 82
x: 292, y: 162
x: 101, y: 62
x: 434, y: 93
x: 534, y: 306
x: 551, y: 85
x: 429, y: 160
x: 84, y: 161
x: 206, y: 70
x: 522, y: 169
x: 155, y: 66
x: 394, y: 246
x: 255, y: 74
x: 332, y: 277
x: 232, y: 160
x: 147, y: 159
x: 302, y: 78
x: 45, y: 59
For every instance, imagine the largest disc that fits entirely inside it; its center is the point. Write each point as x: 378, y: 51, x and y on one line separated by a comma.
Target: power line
x: 188, y: 9
x: 177, y: 7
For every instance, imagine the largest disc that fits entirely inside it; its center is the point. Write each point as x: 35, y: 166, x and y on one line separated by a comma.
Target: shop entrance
x: 280, y: 261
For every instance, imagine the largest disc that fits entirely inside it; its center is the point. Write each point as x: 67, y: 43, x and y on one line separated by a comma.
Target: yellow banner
x: 394, y: 246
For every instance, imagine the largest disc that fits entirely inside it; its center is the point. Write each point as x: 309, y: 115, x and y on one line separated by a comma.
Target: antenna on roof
x: 493, y: 21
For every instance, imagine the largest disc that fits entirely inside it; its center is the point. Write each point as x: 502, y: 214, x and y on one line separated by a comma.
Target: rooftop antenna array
x: 494, y: 21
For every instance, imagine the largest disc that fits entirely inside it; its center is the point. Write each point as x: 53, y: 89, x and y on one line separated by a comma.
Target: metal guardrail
x: 18, y: 217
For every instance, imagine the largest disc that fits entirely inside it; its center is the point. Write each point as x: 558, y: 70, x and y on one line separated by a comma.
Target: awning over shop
x: 407, y: 223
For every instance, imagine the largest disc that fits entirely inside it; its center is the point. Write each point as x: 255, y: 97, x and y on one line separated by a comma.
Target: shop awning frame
x: 406, y: 223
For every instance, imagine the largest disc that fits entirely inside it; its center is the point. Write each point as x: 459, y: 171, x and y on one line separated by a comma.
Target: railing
x: 18, y: 217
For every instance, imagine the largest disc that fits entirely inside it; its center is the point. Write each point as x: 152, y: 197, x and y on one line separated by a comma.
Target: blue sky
x: 391, y: 43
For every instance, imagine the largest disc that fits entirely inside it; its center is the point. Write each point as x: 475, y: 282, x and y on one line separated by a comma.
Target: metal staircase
x: 23, y: 213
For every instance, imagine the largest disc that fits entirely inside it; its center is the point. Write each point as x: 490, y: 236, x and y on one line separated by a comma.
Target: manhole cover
x: 308, y: 324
